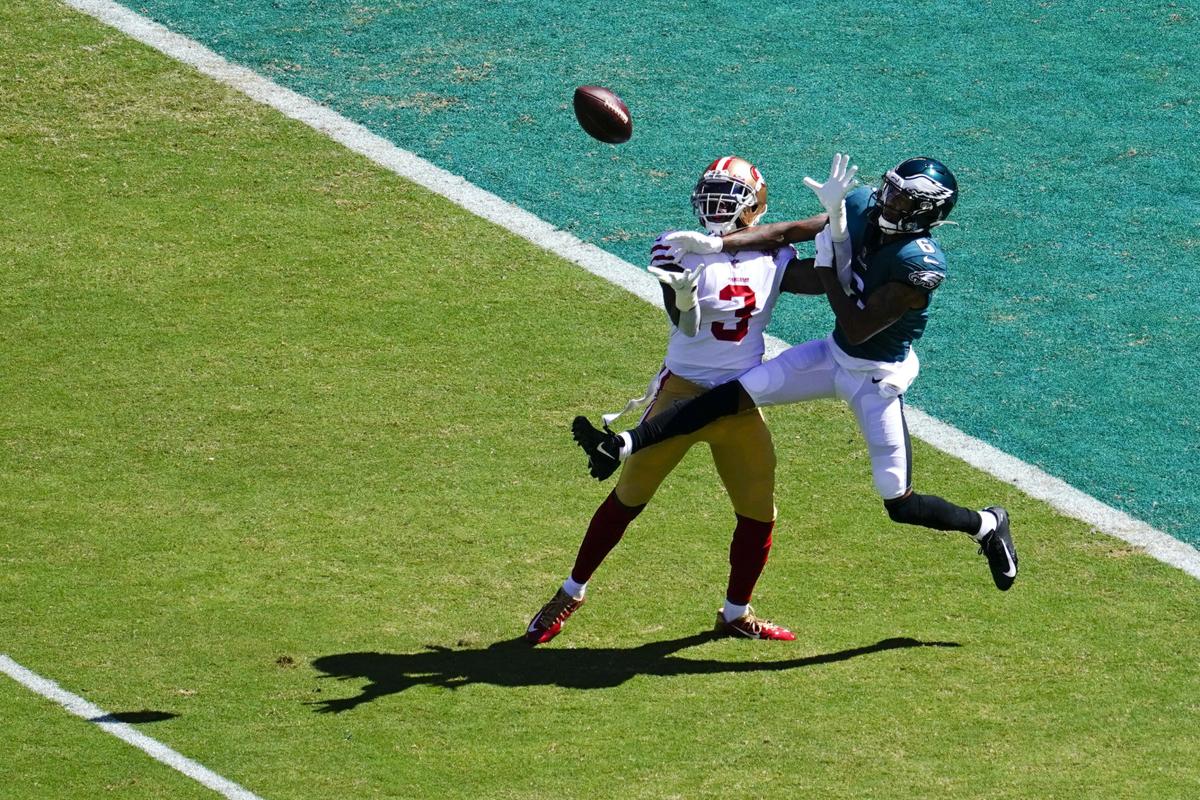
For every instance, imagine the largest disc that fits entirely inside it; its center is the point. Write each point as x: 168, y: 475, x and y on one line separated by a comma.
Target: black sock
x: 728, y: 398
x: 932, y: 511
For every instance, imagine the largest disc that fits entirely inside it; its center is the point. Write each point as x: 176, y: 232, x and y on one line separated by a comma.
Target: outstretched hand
x: 683, y: 282
x: 693, y: 242
x: 834, y: 190
x: 832, y: 193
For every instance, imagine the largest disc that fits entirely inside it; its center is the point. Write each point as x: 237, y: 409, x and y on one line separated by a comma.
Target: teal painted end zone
x: 1068, y: 328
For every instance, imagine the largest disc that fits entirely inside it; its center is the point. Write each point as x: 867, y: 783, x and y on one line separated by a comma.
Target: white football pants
x: 872, y: 389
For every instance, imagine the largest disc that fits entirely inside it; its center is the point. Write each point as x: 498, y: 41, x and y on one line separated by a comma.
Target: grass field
x: 285, y: 436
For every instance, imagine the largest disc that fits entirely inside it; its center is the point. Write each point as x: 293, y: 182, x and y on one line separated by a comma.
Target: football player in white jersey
x: 719, y: 306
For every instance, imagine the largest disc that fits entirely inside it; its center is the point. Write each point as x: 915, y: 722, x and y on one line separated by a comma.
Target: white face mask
x: 720, y: 205
x: 719, y: 229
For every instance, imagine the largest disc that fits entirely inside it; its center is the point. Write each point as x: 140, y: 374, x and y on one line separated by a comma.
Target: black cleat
x: 1000, y: 552
x: 602, y: 447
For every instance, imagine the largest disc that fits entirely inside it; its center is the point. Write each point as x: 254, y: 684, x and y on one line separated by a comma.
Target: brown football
x: 602, y: 114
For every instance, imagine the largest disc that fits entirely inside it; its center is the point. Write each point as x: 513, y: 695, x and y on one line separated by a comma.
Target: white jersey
x: 736, y: 296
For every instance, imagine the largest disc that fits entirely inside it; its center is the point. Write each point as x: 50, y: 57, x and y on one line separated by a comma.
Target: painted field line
x: 102, y: 719
x: 979, y: 454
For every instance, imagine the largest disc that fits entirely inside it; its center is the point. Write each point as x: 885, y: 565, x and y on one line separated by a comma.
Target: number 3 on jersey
x: 749, y: 304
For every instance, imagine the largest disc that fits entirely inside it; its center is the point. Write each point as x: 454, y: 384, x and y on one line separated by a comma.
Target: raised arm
x: 776, y: 234
x: 679, y: 295
x: 758, y: 237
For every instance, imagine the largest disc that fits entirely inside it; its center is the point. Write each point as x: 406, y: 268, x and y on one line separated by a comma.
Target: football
x: 602, y: 114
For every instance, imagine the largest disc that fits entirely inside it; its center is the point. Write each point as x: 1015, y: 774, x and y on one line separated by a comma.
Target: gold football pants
x: 741, y: 449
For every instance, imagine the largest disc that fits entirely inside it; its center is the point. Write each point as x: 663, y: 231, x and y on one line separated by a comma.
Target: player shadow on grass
x: 512, y: 662
x: 135, y: 717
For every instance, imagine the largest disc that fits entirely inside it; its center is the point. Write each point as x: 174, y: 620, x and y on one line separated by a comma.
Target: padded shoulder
x: 921, y: 263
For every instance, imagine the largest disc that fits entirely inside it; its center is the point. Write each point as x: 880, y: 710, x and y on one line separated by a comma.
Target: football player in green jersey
x: 878, y: 266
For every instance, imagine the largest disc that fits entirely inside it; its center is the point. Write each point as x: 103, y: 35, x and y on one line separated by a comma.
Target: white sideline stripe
x: 96, y: 715
x: 1054, y: 491
x: 1030, y: 479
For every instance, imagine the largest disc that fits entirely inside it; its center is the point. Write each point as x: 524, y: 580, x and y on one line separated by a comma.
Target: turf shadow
x: 512, y: 662
x: 135, y: 717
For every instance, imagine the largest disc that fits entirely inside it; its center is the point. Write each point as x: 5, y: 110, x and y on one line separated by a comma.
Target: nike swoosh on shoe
x: 1011, y: 572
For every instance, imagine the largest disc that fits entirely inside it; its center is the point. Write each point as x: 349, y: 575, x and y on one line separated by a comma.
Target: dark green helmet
x: 915, y: 196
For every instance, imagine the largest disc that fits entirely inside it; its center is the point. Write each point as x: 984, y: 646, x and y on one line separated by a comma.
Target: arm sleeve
x: 784, y: 256
x: 843, y: 261
x: 668, y: 301
x: 688, y: 322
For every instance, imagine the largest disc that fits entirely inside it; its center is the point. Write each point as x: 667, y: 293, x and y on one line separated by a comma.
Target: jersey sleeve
x: 858, y: 202
x: 921, y: 264
x: 784, y: 255
x: 660, y: 254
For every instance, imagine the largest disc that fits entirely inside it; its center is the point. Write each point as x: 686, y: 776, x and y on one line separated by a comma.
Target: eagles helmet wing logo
x: 926, y: 278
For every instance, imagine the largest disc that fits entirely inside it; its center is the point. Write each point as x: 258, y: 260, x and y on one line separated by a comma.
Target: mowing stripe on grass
x: 1029, y: 479
x: 94, y: 714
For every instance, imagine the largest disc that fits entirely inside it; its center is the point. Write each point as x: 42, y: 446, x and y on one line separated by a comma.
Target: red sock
x: 747, y: 557
x: 606, y: 529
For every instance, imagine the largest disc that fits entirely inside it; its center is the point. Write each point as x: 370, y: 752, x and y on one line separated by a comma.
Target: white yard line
x: 1026, y: 477
x: 102, y: 719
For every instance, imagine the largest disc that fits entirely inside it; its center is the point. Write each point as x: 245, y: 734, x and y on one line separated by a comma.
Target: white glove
x: 693, y: 242
x: 684, y: 283
x: 832, y: 194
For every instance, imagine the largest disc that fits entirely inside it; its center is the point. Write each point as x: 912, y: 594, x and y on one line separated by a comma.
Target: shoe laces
x: 752, y: 621
x: 561, y: 605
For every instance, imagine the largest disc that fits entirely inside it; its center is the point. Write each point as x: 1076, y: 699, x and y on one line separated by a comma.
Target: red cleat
x: 549, y: 621
x: 749, y: 626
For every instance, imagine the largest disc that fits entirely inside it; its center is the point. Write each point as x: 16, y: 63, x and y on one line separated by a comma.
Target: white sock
x: 576, y: 590
x: 987, y: 525
x: 626, y: 445
x: 732, y: 611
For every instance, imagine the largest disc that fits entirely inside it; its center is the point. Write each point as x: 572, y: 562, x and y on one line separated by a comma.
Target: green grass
x: 49, y: 753
x: 267, y: 409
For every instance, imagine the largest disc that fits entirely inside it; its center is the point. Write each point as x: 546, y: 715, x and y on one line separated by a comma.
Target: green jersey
x: 915, y: 260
